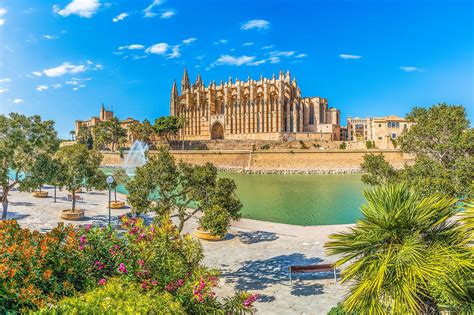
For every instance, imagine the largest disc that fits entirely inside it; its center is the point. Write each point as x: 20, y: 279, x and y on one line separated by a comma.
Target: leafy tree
x: 377, y: 170
x: 120, y: 178
x: 56, y: 175
x: 142, y: 131
x: 22, y: 140
x: 80, y: 169
x: 40, y: 173
x: 115, y: 134
x: 163, y: 186
x: 84, y: 136
x: 168, y: 126
x: 403, y: 252
x: 72, y: 133
x: 443, y: 144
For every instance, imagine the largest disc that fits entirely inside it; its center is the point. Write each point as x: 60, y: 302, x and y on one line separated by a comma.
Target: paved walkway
x: 254, y: 257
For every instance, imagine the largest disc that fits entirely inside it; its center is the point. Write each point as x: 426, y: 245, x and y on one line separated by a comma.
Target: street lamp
x: 110, y: 181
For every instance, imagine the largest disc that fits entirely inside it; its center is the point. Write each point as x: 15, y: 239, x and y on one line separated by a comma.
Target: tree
x: 84, y: 136
x: 81, y: 169
x: 399, y: 253
x: 377, y: 170
x: 168, y: 126
x: 22, y: 140
x: 163, y: 186
x: 40, y: 173
x: 113, y: 132
x: 142, y: 131
x: 443, y: 144
x: 72, y: 133
x: 120, y: 178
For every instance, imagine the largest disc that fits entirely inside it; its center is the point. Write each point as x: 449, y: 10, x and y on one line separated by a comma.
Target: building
x: 104, y: 115
x: 381, y: 130
x: 265, y: 109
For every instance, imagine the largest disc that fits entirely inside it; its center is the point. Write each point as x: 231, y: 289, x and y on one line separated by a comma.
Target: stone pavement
x: 254, y: 257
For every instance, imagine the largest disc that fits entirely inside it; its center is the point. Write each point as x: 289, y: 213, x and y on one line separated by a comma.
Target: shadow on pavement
x: 256, y: 237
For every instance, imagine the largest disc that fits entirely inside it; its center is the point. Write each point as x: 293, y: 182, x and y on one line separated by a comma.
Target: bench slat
x: 312, y: 268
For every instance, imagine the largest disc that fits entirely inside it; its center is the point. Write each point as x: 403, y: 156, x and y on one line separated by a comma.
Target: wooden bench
x: 312, y: 269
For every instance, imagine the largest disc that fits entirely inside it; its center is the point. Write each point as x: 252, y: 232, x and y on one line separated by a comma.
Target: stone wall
x: 323, y: 161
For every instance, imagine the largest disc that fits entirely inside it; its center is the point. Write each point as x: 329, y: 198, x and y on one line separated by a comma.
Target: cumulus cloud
x: 175, y: 53
x: 3, y: 11
x: 167, y: 14
x: 57, y: 85
x: 248, y: 44
x: 68, y: 68
x: 346, y: 56
x: 301, y: 55
x: 41, y: 88
x: 147, y: 12
x: 4, y: 80
x: 158, y: 49
x: 189, y: 40
x: 234, y: 61
x: 120, y: 17
x: 255, y: 24
x: 132, y: 47
x: 82, y: 8
x: 410, y: 69
x: 3, y: 90
x: 18, y: 101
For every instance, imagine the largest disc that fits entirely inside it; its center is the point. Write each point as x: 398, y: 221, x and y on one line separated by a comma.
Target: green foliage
x: 370, y: 145
x: 142, y: 131
x: 343, y: 146
x: 120, y: 178
x: 403, y: 252
x: 377, y: 170
x: 41, y: 172
x: 338, y: 310
x: 165, y: 187
x: 265, y: 146
x: 116, y: 296
x: 168, y: 126
x: 84, y: 136
x: 109, y: 132
x: 303, y: 145
x: 394, y: 142
x: 22, y: 140
x: 80, y: 168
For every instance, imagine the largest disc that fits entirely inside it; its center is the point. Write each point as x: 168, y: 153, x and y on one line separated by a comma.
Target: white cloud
x: 159, y: 49
x: 256, y: 24
x: 346, y: 56
x: 167, y: 14
x: 189, y: 40
x: 50, y: 37
x: 77, y: 81
x: 3, y: 11
x: 220, y: 41
x: 248, y: 44
x: 234, y: 61
x: 301, y: 56
x: 257, y: 63
x: 120, y: 17
x: 82, y: 8
x: 5, y: 80
x: 147, y: 12
x: 68, y: 68
x: 175, y: 53
x: 277, y: 53
x: 274, y: 59
x: 267, y: 47
x: 18, y: 101
x: 132, y: 47
x: 37, y: 73
x: 410, y: 69
x: 3, y: 90
x: 41, y: 88
x: 57, y: 86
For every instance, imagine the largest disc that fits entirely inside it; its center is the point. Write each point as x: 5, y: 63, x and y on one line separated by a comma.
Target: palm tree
x: 403, y: 253
x: 72, y: 133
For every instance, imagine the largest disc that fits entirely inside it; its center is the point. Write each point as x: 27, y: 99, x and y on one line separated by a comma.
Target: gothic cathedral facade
x: 265, y: 109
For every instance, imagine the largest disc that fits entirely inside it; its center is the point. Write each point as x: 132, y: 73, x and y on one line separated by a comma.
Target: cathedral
x: 264, y: 109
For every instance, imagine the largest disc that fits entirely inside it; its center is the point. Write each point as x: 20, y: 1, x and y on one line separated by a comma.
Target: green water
x: 299, y: 199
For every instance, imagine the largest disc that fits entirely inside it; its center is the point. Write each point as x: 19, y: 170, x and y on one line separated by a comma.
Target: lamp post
x: 110, y: 181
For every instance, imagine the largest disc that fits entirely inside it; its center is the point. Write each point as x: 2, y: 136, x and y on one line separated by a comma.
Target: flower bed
x: 88, y: 264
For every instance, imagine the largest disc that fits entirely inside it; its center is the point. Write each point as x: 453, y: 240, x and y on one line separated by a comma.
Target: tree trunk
x: 73, y: 200
x: 4, y: 203
x: 40, y: 189
x: 54, y: 194
x: 115, y: 193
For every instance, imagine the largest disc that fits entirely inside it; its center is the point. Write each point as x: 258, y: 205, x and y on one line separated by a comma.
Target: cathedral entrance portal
x: 217, y: 131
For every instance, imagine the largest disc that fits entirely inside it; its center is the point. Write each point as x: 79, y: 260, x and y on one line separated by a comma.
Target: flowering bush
x: 37, y: 270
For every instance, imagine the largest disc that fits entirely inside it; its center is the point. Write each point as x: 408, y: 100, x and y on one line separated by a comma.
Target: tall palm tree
x: 402, y: 253
x: 72, y: 133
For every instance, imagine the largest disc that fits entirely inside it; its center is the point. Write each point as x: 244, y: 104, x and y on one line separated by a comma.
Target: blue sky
x: 63, y: 58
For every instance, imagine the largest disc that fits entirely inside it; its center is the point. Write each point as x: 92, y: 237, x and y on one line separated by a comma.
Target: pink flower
x: 81, y: 247
x: 122, y: 268
x: 141, y: 236
x: 154, y: 282
x: 180, y: 283
x: 102, y: 281
x: 88, y: 226
x: 99, y: 265
x: 144, y: 285
x: 250, y: 300
x: 82, y: 240
x: 141, y: 262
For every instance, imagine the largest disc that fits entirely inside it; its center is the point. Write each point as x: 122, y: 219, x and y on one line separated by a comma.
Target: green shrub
x: 338, y: 310
x: 303, y: 145
x: 343, y: 146
x: 118, y: 295
x: 370, y: 144
x: 265, y: 146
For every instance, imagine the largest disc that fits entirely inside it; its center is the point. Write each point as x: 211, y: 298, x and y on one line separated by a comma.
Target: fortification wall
x: 323, y: 161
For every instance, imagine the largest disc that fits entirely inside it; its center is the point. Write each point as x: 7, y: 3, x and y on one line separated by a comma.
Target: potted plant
x: 80, y: 169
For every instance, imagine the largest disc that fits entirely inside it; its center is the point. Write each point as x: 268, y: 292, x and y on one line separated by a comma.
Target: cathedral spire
x: 185, y: 84
x: 174, y: 99
x: 198, y: 79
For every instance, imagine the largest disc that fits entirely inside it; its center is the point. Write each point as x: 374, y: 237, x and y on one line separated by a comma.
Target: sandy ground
x: 254, y: 257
